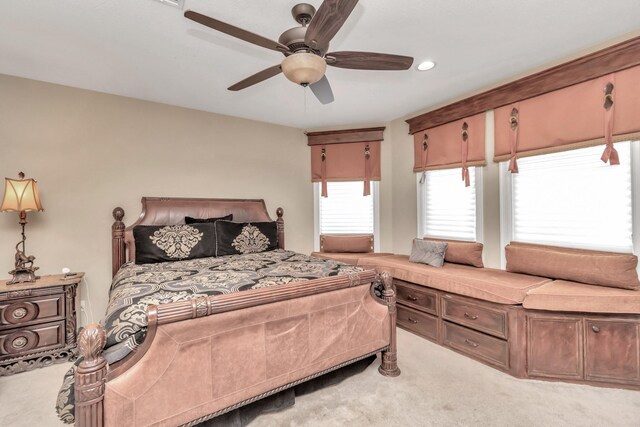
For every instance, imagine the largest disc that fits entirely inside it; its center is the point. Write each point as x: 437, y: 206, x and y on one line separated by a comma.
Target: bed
x: 209, y: 354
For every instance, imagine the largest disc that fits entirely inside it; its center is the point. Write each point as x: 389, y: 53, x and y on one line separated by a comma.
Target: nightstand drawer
x: 14, y: 342
x: 481, y: 318
x: 33, y: 310
x: 416, y: 297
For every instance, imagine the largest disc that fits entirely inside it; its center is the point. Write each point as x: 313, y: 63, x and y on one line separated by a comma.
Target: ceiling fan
x: 305, y: 48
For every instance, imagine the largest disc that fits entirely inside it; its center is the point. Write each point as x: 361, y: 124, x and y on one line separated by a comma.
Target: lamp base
x: 23, y: 275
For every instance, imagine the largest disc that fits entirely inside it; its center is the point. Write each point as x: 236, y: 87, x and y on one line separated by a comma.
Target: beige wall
x: 91, y: 152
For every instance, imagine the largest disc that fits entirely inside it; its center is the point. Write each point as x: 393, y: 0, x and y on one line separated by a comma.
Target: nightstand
x: 38, y: 323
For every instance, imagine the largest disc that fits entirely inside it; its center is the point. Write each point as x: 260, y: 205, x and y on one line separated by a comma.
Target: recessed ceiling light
x: 426, y: 65
x: 175, y: 3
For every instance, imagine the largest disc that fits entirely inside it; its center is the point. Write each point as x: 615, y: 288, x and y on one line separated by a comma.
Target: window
x: 346, y: 210
x: 446, y: 208
x: 570, y: 199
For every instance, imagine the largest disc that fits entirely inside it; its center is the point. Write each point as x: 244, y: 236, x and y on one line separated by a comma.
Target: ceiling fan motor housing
x: 303, y: 13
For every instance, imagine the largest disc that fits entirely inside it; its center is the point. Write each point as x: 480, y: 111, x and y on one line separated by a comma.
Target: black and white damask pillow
x: 245, y: 238
x: 161, y: 243
x: 190, y: 220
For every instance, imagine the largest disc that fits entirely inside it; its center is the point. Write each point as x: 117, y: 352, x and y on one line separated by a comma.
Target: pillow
x: 427, y: 252
x: 190, y: 220
x: 360, y: 243
x: 459, y: 252
x: 245, y: 237
x: 161, y: 243
x: 611, y: 269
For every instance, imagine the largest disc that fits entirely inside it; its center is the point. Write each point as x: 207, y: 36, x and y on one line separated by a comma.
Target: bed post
x: 118, y: 250
x: 389, y: 365
x: 280, y: 222
x: 90, y: 377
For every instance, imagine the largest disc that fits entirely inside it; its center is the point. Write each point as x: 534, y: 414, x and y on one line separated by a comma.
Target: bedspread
x: 135, y: 287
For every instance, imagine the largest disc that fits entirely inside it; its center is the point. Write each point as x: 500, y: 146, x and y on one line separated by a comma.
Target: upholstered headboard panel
x: 172, y: 210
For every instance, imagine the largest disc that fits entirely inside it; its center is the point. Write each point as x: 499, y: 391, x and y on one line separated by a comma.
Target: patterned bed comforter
x: 135, y: 287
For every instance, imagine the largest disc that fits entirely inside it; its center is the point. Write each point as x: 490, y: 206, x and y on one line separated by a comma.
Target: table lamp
x: 21, y: 195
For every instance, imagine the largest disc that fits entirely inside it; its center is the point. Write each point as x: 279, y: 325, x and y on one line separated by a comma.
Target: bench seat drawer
x: 479, y: 317
x: 416, y: 297
x: 420, y: 323
x: 476, y: 344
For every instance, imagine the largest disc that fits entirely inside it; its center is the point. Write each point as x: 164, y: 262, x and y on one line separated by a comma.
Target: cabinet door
x: 554, y: 347
x: 612, y: 350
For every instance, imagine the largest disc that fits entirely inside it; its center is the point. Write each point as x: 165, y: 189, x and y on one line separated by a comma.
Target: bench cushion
x: 459, y: 252
x: 579, y: 265
x: 348, y: 258
x: 482, y: 283
x: 562, y: 295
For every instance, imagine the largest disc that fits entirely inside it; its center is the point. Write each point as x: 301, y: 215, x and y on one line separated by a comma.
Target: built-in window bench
x: 527, y: 326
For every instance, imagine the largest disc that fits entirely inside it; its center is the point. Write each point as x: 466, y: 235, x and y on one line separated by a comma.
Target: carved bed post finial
x: 389, y: 365
x: 90, y: 377
x: 118, y: 255
x: 280, y: 222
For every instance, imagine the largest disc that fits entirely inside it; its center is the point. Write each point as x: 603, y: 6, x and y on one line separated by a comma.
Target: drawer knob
x: 19, y: 313
x: 412, y: 298
x: 471, y: 343
x: 414, y: 321
x: 470, y: 317
x: 595, y: 329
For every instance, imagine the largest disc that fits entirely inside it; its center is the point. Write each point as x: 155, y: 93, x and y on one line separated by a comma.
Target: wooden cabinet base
x: 38, y: 323
x: 596, y: 349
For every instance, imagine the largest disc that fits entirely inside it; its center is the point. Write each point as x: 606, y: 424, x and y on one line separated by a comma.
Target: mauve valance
x: 602, y: 110
x: 446, y: 147
x: 351, y: 155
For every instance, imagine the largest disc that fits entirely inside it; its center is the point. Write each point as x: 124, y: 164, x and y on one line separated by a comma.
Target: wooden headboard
x: 172, y: 210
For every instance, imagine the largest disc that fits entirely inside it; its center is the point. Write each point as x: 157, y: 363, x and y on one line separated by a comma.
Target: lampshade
x: 304, y: 68
x: 20, y: 195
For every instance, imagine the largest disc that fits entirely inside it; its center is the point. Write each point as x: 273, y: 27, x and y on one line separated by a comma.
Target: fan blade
x: 257, y: 78
x: 369, y: 61
x: 329, y: 18
x: 322, y: 90
x: 235, y: 31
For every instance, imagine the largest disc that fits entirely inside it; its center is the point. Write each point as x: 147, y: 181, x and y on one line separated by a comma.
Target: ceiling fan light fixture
x: 304, y: 68
x: 426, y: 65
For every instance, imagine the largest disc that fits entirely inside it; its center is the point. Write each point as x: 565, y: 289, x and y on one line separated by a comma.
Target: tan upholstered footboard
x: 204, y: 357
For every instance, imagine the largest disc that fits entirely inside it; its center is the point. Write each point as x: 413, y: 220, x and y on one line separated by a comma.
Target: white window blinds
x: 448, y: 207
x: 573, y: 199
x: 346, y: 210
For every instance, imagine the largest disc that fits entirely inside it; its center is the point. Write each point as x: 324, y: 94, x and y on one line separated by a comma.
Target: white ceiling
x: 147, y: 50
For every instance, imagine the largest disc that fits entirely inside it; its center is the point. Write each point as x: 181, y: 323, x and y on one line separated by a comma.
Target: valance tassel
x: 513, y: 141
x: 465, y: 154
x: 425, y: 157
x: 610, y: 154
x: 367, y: 171
x: 323, y: 173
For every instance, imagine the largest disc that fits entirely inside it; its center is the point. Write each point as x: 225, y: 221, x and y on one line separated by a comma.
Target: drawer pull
x: 412, y: 298
x: 471, y: 343
x: 470, y: 317
x: 414, y: 321
x: 595, y: 329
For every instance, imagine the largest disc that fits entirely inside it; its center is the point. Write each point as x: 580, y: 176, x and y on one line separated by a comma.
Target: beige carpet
x: 437, y: 388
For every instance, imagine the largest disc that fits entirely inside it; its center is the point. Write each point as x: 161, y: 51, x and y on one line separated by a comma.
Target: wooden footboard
x: 204, y: 357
